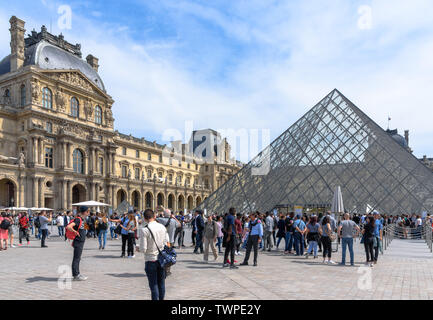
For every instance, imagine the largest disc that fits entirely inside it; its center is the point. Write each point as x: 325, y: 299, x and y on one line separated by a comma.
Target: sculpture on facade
x: 60, y: 101
x: 21, y: 160
x: 35, y: 90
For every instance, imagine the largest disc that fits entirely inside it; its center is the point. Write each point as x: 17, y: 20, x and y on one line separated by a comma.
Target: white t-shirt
x: 418, y: 222
x: 60, y: 220
x: 147, y: 244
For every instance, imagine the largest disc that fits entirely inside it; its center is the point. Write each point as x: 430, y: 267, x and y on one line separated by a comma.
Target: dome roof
x: 400, y: 140
x: 50, y: 57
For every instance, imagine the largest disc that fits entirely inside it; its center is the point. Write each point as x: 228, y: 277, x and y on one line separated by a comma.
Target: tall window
x: 47, y: 98
x: 75, y: 108
x: 98, y: 115
x: 78, y: 161
x: 160, y: 158
x: 49, y: 127
x: 137, y: 173
x: 149, y: 174
x: 49, y: 157
x: 101, y: 165
x: 149, y: 156
x: 124, y: 172
x: 124, y: 151
x: 23, y: 95
x: 170, y: 178
x: 137, y: 153
x: 187, y: 181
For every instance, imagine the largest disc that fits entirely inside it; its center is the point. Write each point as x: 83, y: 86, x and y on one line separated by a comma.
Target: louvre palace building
x: 58, y: 145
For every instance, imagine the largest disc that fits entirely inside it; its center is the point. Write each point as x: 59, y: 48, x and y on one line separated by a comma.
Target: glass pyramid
x: 333, y: 144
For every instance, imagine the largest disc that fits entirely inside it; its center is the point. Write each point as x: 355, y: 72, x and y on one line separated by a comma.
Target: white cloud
x: 298, y: 52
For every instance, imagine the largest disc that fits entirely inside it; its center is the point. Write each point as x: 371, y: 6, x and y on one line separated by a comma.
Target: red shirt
x: 238, y: 226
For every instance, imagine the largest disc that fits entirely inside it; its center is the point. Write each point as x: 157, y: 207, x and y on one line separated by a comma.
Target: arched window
x: 47, y: 98
x: 78, y: 160
x: 23, y: 95
x: 75, y: 107
x: 98, y: 115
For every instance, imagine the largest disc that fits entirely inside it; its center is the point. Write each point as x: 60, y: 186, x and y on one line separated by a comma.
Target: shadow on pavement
x: 127, y: 275
x: 36, y: 279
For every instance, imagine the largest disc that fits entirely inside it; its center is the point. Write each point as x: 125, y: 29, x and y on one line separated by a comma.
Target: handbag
x: 167, y: 256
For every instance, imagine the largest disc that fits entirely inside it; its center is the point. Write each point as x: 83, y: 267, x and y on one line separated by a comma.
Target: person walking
x: 102, y: 231
x: 77, y: 227
x: 43, y: 220
x: 170, y: 222
x: 298, y: 235
x: 326, y: 239
x: 230, y: 230
x: 23, y: 229
x: 239, y: 231
x: 289, y: 233
x: 281, y: 230
x: 255, y: 235
x: 4, y: 230
x: 194, y: 228
x: 199, y: 226
x: 378, y: 233
x: 60, y: 224
x: 153, y: 237
x: 347, y: 230
x: 210, y: 234
x: 368, y: 238
x: 312, y: 231
x: 66, y: 220
x: 269, y: 227
x: 220, y: 234
x: 129, y: 228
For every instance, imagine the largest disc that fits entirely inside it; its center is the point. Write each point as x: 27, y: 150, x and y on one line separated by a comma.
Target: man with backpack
x: 153, y: 237
x: 23, y: 229
x: 75, y: 231
x: 37, y: 226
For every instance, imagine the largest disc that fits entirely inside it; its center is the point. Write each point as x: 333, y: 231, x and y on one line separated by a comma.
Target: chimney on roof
x: 17, y: 43
x: 406, y: 136
x: 424, y: 159
x: 93, y: 61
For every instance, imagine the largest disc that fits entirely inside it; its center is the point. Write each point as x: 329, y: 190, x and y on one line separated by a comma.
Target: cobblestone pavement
x: 405, y: 271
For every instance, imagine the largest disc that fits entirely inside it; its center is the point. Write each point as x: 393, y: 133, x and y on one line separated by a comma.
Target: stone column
x: 86, y: 164
x: 64, y: 194
x: 64, y: 155
x: 35, y: 150
x: 41, y: 193
x: 35, y: 192
x: 96, y: 192
x: 41, y: 150
x: 68, y: 195
x: 90, y: 191
x: 113, y: 164
x: 112, y: 196
x: 69, y: 156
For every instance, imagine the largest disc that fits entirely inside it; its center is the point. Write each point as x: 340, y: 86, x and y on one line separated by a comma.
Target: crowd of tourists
x: 227, y: 234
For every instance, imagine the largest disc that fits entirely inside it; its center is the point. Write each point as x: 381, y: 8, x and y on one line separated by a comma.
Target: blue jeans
x: 102, y: 237
x: 289, y: 241
x: 156, y: 277
x: 112, y: 234
x: 199, y: 241
x: 219, y: 242
x: 61, y: 230
x: 344, y: 243
x: 299, y: 243
x: 279, y: 240
x: 312, y: 246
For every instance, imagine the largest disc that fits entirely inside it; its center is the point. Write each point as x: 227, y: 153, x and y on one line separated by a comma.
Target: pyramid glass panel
x: 334, y: 144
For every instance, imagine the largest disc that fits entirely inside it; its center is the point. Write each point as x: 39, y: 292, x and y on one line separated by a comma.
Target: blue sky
x: 250, y: 64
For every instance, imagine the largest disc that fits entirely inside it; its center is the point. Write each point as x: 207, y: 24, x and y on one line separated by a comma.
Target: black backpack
x: 5, y: 224
x: 37, y: 223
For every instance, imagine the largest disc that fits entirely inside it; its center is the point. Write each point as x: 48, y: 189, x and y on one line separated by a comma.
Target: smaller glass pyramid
x: 333, y: 144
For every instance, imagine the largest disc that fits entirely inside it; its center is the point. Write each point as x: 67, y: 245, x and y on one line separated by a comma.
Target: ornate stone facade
x: 58, y: 145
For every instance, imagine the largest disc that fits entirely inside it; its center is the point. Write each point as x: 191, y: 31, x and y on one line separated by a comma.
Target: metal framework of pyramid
x: 334, y: 144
